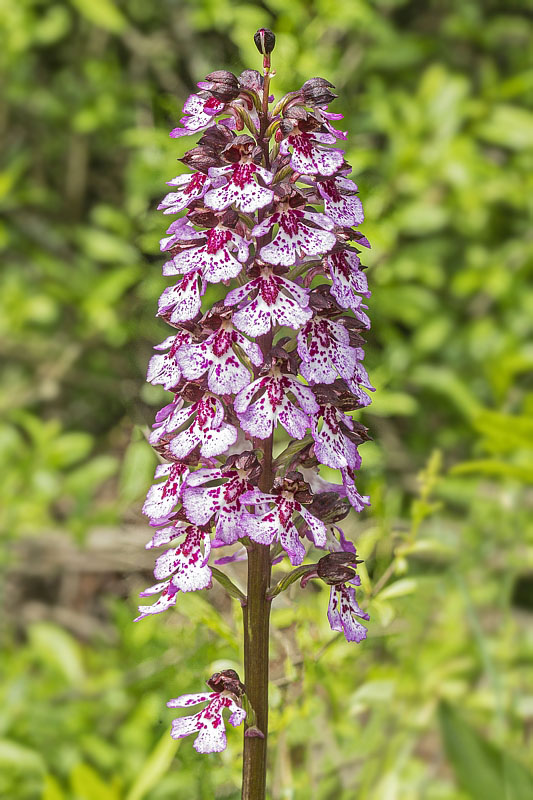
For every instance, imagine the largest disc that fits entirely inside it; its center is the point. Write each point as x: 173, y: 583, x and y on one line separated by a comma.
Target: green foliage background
x: 438, y: 703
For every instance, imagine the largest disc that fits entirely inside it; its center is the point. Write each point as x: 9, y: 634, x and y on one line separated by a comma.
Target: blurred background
x: 437, y: 704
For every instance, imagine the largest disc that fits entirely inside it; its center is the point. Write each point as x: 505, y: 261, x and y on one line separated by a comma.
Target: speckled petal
x: 187, y: 700
x: 241, y: 190
x: 162, y: 497
x: 342, y: 612
x: 344, y: 209
x: 183, y: 300
x: 332, y: 447
x: 296, y: 239
x: 187, y: 563
x: 316, y: 526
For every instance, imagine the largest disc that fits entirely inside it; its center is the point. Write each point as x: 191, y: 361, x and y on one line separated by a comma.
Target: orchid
x: 190, y: 187
x: 164, y: 368
x: 343, y: 613
x: 209, y: 722
x: 277, y: 301
x: 269, y: 216
x: 240, y: 189
x: 226, y: 374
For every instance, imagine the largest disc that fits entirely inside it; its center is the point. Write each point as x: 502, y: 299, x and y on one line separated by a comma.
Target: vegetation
x: 437, y: 704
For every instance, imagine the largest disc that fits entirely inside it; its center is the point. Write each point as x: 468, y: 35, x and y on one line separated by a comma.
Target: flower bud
x: 337, y: 568
x: 316, y: 92
x: 202, y: 216
x: 226, y: 681
x: 265, y: 41
x: 200, y: 158
x: 221, y: 84
x: 251, y: 79
x: 329, y: 507
x: 216, y: 138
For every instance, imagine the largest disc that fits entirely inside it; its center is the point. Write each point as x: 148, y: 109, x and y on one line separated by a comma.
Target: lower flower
x: 343, y: 612
x: 209, y: 722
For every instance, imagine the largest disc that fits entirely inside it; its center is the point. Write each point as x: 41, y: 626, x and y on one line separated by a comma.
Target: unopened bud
x: 251, y: 79
x: 265, y: 41
x: 317, y: 92
x: 337, y: 568
x: 200, y: 158
x: 226, y: 681
x: 329, y: 507
x: 221, y: 84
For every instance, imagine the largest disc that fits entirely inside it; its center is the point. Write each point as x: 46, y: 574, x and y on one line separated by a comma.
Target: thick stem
x: 256, y: 614
x: 256, y: 641
x: 256, y: 611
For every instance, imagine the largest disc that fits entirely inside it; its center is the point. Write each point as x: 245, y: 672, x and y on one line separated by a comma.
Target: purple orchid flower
x: 209, y: 722
x: 268, y: 234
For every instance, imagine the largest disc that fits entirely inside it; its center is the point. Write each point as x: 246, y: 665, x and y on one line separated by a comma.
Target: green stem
x: 256, y: 617
x: 256, y: 612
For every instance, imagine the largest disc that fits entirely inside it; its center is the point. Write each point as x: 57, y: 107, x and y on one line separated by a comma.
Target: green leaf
x: 399, y: 589
x: 103, y: 13
x: 69, y: 448
x: 15, y: 757
x: 52, y: 790
x: 137, y: 471
x: 88, y: 785
x: 509, y: 126
x: 494, y: 468
x: 228, y: 585
x: 483, y: 770
x: 155, y: 766
x: 57, y: 648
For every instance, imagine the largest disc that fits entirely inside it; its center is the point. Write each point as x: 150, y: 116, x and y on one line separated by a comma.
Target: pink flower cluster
x: 272, y: 219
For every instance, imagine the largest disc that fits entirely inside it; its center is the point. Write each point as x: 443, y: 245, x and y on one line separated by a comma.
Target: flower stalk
x: 269, y: 213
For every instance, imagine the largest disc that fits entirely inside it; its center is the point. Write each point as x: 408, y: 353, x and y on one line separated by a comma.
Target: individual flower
x: 226, y: 374
x: 209, y: 722
x: 206, y: 427
x: 276, y: 301
x: 200, y: 110
x: 324, y: 347
x: 190, y: 187
x: 317, y: 92
x: 340, y: 201
x: 168, y: 594
x: 344, y: 613
x: 276, y: 523
x: 338, y: 570
x: 357, y: 500
x: 214, y: 258
x: 295, y: 237
x: 183, y: 568
x: 325, y: 117
x: 163, y: 368
x: 360, y: 378
x: 187, y: 563
x: 308, y: 154
x: 162, y: 497
x: 182, y: 302
x: 224, y: 502
x: 241, y: 188
x: 349, y: 282
x: 265, y: 40
x: 273, y: 404
x: 221, y: 84
x: 333, y: 446
x: 182, y: 234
